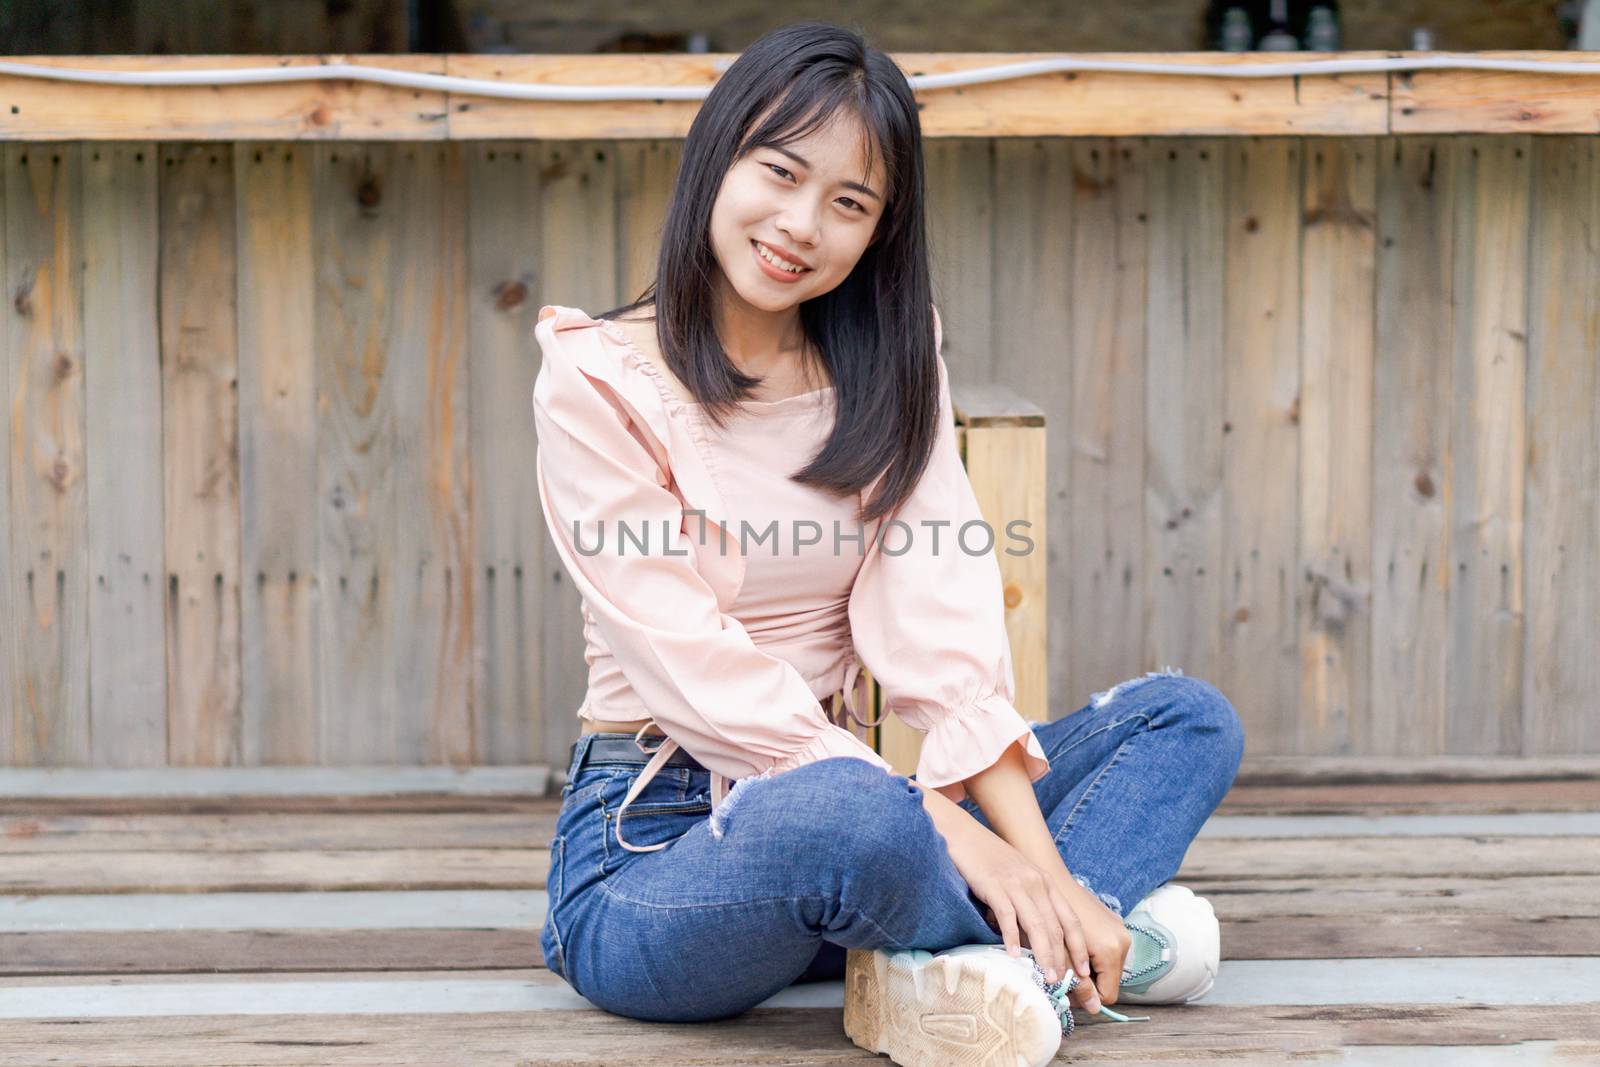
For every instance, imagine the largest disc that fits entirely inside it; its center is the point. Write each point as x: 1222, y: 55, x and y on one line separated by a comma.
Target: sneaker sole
x: 932, y: 1011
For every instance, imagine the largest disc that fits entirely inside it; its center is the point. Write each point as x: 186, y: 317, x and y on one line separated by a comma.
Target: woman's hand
x: 1028, y: 907
x: 1108, y: 939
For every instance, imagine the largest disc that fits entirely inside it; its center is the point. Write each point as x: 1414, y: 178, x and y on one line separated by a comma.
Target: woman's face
x: 814, y: 203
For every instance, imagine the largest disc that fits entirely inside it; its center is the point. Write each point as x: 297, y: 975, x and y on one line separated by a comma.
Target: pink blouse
x: 731, y: 646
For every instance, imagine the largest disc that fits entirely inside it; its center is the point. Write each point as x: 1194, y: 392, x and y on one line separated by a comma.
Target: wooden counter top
x: 1058, y: 104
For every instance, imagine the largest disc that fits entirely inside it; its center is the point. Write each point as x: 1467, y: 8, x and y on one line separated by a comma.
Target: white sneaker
x: 1177, y: 944
x: 973, y: 1005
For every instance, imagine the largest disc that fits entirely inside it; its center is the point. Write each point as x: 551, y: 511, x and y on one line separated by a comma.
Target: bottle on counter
x: 1589, y: 26
x: 1236, y: 34
x: 1322, y: 29
x: 1278, y: 37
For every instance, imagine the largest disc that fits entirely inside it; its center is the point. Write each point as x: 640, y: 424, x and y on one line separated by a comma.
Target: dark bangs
x: 875, y: 329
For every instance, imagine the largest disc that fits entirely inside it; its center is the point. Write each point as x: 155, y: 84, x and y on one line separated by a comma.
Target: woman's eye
x: 784, y: 173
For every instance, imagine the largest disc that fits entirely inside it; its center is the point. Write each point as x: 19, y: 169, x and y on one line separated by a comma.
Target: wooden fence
x: 1322, y: 430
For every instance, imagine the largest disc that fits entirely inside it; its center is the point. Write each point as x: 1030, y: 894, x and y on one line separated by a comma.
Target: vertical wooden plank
x: 356, y: 243
x: 200, y: 453
x: 1411, y: 448
x: 396, y: 607
x: 1336, y: 366
x: 646, y: 171
x: 9, y: 612
x: 436, y: 565
x: 1563, y: 478
x: 1183, y: 412
x: 1260, y: 661
x: 961, y: 234
x: 277, y: 454
x: 48, y: 720
x: 1033, y: 304
x: 577, y: 268
x: 1102, y: 639
x: 1007, y: 466
x: 122, y: 354
x: 1488, y: 446
x: 502, y: 282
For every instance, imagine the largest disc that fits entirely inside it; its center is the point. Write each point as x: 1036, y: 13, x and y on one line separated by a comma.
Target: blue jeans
x: 837, y: 854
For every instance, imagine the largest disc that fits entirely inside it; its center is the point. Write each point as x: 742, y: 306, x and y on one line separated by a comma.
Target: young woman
x: 751, y: 476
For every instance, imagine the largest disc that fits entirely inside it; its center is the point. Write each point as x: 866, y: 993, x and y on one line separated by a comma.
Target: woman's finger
x: 1006, y: 919
x: 1077, y: 945
x: 1044, y: 934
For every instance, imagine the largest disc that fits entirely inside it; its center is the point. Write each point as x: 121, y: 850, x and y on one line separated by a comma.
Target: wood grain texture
x: 1184, y: 361
x: 1488, y: 449
x: 46, y: 717
x: 1411, y: 448
x: 1561, y: 672
x: 577, y: 267
x: 199, y: 407
x: 503, y: 281
x: 1337, y: 351
x: 1259, y: 664
x: 397, y: 590
x: 281, y: 652
x: 1024, y: 470
x: 122, y: 352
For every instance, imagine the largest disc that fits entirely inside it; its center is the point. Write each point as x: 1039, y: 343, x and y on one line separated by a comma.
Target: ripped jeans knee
x: 1100, y: 700
x: 1105, y: 898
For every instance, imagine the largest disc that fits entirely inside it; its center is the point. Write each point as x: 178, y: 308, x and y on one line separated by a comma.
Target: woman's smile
x: 770, y: 261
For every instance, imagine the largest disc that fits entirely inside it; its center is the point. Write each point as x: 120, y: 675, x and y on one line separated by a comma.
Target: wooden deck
x: 265, y: 917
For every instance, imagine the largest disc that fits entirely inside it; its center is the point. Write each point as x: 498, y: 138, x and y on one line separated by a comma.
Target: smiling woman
x: 794, y: 256
x: 794, y: 253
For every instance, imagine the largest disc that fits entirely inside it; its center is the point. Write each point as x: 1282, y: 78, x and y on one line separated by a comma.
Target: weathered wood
x: 199, y: 419
x: 1258, y: 664
x: 1061, y: 104
x: 1184, y: 409
x: 320, y: 870
x: 279, y: 685
x: 1007, y: 468
x: 1186, y: 1035
x: 1411, y: 449
x: 266, y: 951
x: 1487, y: 101
x: 1561, y: 671
x: 1409, y: 857
x: 1488, y: 451
x: 503, y: 243
x: 44, y: 713
x: 397, y: 588
x: 122, y: 353
x: 1208, y: 859
x: 1102, y: 606
x: 1409, y: 798
x: 318, y: 110
x: 1338, y: 233
x: 1384, y: 936
x: 576, y: 267
x: 266, y: 831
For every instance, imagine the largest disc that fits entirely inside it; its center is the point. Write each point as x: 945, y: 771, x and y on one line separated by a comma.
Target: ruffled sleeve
x: 928, y: 620
x: 601, y: 468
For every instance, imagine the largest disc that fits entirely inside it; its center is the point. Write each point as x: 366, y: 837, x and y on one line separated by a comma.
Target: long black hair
x: 875, y: 329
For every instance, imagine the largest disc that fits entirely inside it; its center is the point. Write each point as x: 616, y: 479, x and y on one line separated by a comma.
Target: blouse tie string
x: 663, y: 752
x: 855, y: 693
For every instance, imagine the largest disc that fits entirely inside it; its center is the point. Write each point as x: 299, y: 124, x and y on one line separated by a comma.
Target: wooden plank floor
x: 233, y: 920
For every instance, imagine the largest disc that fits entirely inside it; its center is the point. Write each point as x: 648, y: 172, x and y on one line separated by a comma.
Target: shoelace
x: 1059, y: 992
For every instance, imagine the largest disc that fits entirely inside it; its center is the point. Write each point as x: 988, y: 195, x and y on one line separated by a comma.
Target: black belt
x: 621, y: 748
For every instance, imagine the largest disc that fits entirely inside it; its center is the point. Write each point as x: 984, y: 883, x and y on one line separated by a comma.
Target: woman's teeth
x: 781, y: 264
